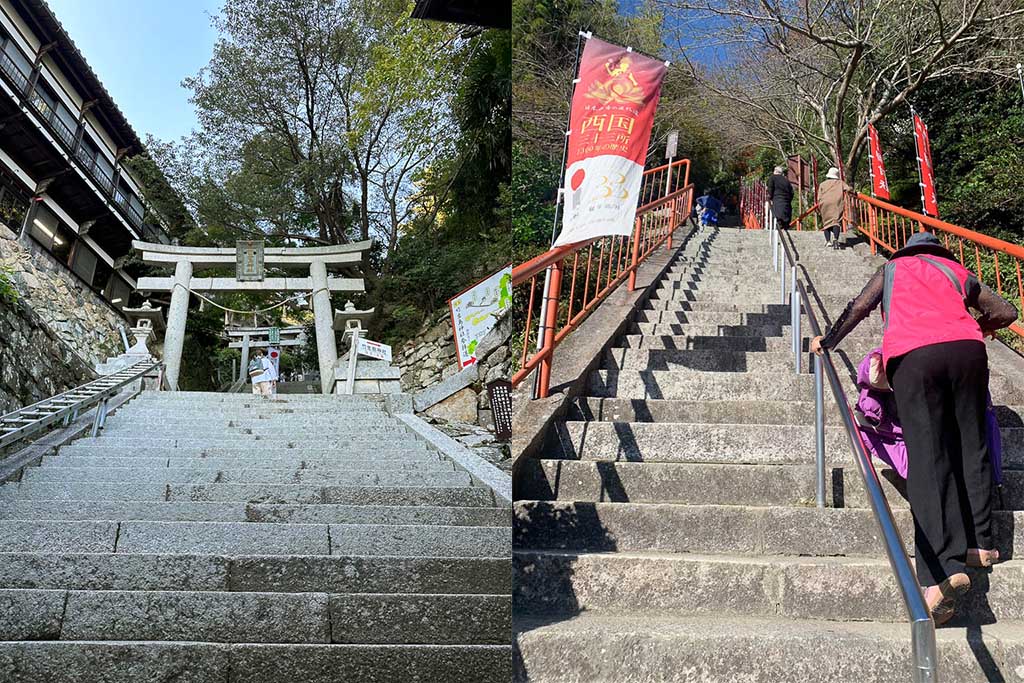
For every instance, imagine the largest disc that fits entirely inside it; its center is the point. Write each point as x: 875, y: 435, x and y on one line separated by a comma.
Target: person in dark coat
x: 781, y: 191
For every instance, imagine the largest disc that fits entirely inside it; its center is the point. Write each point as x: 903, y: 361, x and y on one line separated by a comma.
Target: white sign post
x: 477, y: 310
x: 374, y: 349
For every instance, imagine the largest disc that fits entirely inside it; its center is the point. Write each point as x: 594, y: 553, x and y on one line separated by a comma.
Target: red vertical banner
x: 879, y: 183
x: 929, y: 200
x: 610, y: 125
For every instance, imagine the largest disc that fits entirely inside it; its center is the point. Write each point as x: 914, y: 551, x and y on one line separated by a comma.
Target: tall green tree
x: 314, y: 118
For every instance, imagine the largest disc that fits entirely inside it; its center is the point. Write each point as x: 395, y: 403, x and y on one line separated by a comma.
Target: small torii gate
x: 186, y: 260
x: 246, y: 338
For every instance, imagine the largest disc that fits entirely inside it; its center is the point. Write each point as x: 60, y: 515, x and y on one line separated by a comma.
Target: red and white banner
x: 929, y: 200
x: 879, y: 183
x: 609, y: 131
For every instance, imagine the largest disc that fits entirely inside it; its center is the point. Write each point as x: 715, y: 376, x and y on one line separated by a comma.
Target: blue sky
x: 142, y: 50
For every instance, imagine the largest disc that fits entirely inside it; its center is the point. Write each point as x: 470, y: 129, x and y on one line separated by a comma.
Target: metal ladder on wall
x: 66, y: 407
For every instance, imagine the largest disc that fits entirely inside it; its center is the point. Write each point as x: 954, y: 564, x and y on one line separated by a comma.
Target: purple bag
x: 878, y: 423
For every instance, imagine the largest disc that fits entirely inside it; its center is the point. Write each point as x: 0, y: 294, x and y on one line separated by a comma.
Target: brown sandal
x: 941, y: 599
x: 980, y: 558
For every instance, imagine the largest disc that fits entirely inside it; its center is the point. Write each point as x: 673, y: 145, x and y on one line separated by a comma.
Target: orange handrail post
x: 671, y: 224
x: 636, y: 253
x: 873, y: 227
x: 550, y: 321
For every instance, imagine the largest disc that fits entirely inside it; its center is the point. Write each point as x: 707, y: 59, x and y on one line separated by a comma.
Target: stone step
x: 729, y: 443
x: 775, y: 310
x: 767, y: 290
x: 768, y: 298
x: 717, y: 484
x: 303, y: 441
x: 302, y: 494
x: 631, y: 647
x: 251, y: 617
x: 280, y: 421
x: 186, y: 511
x: 703, y: 318
x: 190, y: 662
x: 340, y: 400
x: 412, y: 451
x: 705, y: 412
x: 703, y: 360
x: 711, y: 330
x: 252, y: 538
x: 723, y: 529
x: 277, y: 573
x: 186, y: 475
x: 423, y: 462
x: 130, y: 425
x: 664, y: 384
x: 864, y: 333
x: 735, y: 444
x: 696, y: 484
x: 827, y: 588
x: 715, y: 273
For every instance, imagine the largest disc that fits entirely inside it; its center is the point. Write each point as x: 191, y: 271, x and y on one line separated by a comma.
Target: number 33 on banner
x: 609, y: 190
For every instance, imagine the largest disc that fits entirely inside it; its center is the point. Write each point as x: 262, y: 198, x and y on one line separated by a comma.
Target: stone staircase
x: 218, y: 537
x: 669, y: 532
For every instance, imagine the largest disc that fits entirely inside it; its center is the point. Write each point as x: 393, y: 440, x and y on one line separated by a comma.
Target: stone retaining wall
x: 430, y: 365
x: 34, y: 363
x: 75, y: 314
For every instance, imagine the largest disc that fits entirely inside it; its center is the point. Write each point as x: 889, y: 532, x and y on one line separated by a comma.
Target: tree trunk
x: 364, y: 213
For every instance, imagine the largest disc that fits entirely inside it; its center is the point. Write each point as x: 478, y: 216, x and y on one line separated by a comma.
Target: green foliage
x: 464, y: 232
x: 976, y: 128
x: 534, y: 179
x: 8, y: 292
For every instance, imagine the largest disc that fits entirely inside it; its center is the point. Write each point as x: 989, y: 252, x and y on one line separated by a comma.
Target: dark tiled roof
x: 44, y: 23
x: 493, y: 14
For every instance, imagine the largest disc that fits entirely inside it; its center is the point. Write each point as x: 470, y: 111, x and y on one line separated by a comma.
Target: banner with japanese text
x: 929, y: 200
x: 610, y: 123
x: 879, y: 183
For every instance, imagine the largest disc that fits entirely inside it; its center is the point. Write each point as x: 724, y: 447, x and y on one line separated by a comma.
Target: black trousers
x: 940, y: 395
x: 782, y: 223
x: 831, y: 233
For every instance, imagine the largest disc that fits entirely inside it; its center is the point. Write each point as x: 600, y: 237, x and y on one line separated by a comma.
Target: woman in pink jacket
x: 933, y: 352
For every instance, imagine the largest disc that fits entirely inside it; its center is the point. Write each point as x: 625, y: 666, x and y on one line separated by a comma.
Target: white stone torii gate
x: 187, y: 260
x: 259, y: 338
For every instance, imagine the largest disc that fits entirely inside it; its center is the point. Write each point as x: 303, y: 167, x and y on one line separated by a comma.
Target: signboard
x: 673, y: 144
x: 365, y: 347
x: 499, y: 393
x: 477, y: 310
x: 798, y: 171
x: 249, y: 260
x: 610, y: 124
x: 274, y: 335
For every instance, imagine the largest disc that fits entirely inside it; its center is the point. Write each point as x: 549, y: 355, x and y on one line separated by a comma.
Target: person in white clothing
x: 261, y: 370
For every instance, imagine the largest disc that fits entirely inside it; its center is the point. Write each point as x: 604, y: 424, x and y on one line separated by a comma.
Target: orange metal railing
x: 996, y: 263
x: 799, y: 220
x: 593, y: 269
x: 753, y: 196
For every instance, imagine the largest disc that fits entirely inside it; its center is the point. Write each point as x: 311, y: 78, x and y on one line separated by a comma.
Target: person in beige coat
x: 830, y: 209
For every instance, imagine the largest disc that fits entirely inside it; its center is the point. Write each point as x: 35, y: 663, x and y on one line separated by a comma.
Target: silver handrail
x: 922, y: 628
x: 66, y: 407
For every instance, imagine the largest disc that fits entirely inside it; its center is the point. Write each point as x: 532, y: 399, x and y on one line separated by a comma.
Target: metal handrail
x: 66, y: 407
x: 922, y: 628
